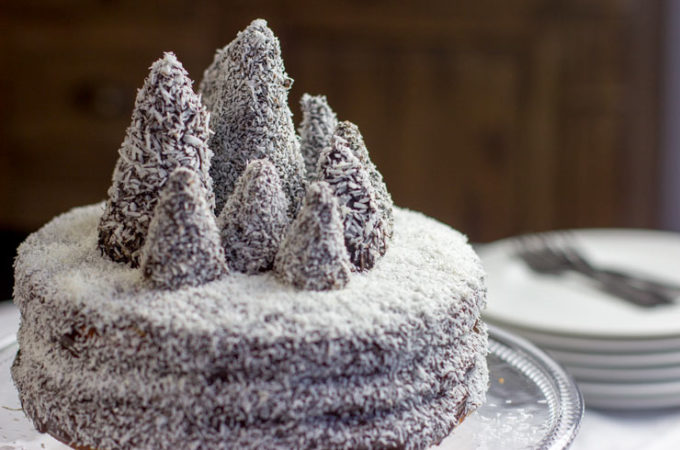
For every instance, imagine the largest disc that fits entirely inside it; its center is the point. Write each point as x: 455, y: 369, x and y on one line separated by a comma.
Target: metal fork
x: 555, y: 253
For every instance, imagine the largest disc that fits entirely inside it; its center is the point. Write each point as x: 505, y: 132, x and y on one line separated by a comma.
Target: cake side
x: 64, y: 379
x: 166, y: 424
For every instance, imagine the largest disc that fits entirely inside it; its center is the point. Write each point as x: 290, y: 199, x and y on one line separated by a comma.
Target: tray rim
x: 571, y: 406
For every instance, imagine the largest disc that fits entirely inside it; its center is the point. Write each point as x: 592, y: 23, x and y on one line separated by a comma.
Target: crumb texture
x: 169, y: 129
x: 183, y: 245
x: 254, y: 219
x: 246, y: 88
x: 313, y: 254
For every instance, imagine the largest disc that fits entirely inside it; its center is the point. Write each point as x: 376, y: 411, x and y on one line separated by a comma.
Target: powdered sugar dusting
x: 169, y: 129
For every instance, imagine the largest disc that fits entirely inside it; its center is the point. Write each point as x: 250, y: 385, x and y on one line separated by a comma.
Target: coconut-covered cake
x: 246, y: 285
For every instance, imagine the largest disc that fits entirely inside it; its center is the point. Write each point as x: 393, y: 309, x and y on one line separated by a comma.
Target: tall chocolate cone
x: 169, y: 129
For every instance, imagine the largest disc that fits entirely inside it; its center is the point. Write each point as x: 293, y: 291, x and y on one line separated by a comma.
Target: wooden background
x: 497, y: 117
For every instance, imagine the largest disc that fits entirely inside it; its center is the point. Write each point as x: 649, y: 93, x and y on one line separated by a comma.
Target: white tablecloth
x: 651, y: 430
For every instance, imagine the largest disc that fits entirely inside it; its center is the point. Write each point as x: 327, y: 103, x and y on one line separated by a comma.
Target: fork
x: 555, y: 254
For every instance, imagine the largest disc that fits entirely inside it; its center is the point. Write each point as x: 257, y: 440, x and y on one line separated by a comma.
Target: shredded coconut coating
x: 317, y: 127
x: 313, y: 255
x: 254, y: 401
x: 350, y: 132
x: 246, y: 88
x: 254, y: 219
x: 183, y: 243
x: 364, y: 234
x: 107, y: 361
x: 169, y: 129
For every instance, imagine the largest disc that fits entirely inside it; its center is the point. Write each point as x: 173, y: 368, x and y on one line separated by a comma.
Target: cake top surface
x: 430, y: 270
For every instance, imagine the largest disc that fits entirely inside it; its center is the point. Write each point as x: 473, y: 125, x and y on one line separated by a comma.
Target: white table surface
x: 651, y: 430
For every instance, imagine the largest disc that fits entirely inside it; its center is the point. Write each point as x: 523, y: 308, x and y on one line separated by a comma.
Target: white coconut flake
x: 184, y: 353
x: 350, y: 133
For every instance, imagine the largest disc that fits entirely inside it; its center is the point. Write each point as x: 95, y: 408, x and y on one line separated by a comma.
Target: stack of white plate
x: 622, y: 356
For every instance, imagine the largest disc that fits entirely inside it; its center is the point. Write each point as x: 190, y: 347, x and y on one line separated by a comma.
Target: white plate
x: 568, y: 305
x: 594, y: 400
x: 595, y: 345
x: 631, y: 390
x: 631, y: 396
x: 609, y: 375
x: 612, y: 361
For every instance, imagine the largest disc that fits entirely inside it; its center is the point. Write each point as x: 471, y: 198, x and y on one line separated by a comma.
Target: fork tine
x: 535, y: 250
x: 565, y: 244
x: 531, y: 241
x: 556, y: 252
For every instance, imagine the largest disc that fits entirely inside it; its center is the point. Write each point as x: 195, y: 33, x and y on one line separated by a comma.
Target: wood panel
x: 496, y: 117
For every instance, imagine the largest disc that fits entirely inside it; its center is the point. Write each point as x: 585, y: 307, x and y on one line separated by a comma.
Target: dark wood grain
x: 495, y: 117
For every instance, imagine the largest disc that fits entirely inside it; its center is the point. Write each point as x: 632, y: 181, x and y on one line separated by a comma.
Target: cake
x: 243, y: 287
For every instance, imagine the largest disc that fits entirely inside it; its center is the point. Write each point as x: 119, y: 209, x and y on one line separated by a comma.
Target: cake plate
x: 531, y: 404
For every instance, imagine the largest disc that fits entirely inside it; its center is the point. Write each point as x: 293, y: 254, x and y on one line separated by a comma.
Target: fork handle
x: 626, y: 287
x: 633, y: 280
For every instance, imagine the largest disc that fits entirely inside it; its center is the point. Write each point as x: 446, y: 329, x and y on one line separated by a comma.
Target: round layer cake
x: 395, y: 359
